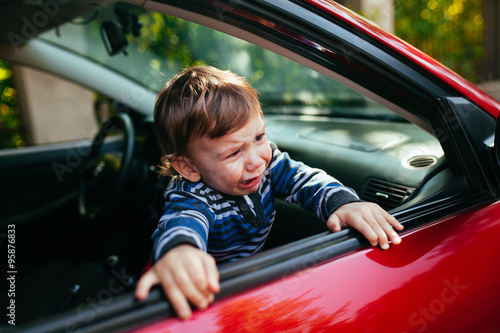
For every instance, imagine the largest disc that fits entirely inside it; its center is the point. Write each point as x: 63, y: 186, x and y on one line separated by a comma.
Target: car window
x: 53, y: 110
x: 166, y: 44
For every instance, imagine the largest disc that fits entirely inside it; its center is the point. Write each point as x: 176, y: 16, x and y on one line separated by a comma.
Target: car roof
x: 23, y: 20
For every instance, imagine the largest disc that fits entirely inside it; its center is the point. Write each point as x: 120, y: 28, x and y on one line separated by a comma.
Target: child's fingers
x: 383, y: 239
x: 373, y: 223
x: 178, y: 300
x: 382, y: 223
x: 212, y: 274
x: 187, y: 275
x: 391, y: 234
x: 334, y: 223
x: 148, y: 280
x: 172, y: 291
x: 193, y: 283
x: 392, y: 221
x: 180, y: 290
x: 369, y: 229
x: 199, y: 290
x: 389, y: 223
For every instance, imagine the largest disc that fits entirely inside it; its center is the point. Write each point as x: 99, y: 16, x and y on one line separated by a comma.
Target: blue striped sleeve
x: 186, y: 220
x: 312, y: 189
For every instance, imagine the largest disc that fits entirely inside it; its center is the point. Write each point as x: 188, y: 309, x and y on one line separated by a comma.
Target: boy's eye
x: 259, y: 137
x: 233, y: 154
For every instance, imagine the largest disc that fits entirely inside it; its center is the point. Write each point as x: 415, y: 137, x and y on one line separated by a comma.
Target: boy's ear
x: 183, y: 166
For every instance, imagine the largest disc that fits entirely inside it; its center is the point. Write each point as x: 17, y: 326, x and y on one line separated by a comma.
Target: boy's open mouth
x: 250, y: 182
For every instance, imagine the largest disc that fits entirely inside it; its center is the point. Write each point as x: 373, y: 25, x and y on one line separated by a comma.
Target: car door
x: 42, y: 177
x: 439, y: 273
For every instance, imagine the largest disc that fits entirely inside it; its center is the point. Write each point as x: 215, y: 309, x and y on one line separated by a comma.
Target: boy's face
x: 232, y: 164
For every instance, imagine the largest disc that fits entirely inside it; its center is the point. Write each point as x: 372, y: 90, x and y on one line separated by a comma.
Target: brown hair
x: 197, y: 102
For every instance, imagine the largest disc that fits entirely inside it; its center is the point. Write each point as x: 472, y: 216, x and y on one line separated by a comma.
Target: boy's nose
x: 254, y: 161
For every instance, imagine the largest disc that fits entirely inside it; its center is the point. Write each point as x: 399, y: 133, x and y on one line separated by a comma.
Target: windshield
x: 162, y: 45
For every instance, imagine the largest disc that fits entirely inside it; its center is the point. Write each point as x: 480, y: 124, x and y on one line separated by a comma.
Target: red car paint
x: 417, y: 285
x: 443, y: 277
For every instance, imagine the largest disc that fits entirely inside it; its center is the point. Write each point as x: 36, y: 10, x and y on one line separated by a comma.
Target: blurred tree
x: 451, y: 31
x: 177, y: 44
x: 10, y: 125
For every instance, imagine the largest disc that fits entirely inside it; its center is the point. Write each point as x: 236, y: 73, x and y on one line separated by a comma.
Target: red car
x: 79, y: 205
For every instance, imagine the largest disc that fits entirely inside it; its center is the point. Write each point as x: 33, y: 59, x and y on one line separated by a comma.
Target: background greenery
x: 451, y: 31
x: 10, y: 124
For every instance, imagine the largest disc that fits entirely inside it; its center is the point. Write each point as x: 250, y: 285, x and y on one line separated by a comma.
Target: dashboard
x: 384, y: 161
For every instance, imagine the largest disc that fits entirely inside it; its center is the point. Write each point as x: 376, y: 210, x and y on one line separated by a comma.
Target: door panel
x: 38, y: 180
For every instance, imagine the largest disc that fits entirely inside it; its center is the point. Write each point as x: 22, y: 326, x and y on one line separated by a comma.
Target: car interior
x: 84, y: 194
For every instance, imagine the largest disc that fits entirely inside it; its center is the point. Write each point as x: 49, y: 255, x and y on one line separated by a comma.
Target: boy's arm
x: 312, y: 189
x: 180, y: 262
x: 186, y: 220
x: 370, y: 220
x: 186, y: 274
x: 337, y: 205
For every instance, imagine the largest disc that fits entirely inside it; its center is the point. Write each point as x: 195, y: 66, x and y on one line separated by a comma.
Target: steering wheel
x: 104, y: 171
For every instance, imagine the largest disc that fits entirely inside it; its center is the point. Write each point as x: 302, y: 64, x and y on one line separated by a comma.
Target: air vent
x: 388, y: 195
x: 422, y: 161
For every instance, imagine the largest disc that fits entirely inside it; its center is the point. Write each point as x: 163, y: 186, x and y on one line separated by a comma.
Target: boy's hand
x: 186, y: 274
x: 368, y: 218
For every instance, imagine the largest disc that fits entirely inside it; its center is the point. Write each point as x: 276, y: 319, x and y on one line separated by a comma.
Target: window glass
x: 53, y: 110
x: 165, y: 45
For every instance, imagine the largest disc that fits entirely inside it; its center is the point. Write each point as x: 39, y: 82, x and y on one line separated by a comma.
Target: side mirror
x: 113, y: 37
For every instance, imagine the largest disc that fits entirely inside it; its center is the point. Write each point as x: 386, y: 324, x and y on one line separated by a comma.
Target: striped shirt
x: 234, y: 227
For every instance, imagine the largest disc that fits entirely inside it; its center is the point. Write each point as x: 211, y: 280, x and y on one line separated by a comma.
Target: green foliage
x: 10, y: 124
x: 451, y: 31
x: 177, y: 44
